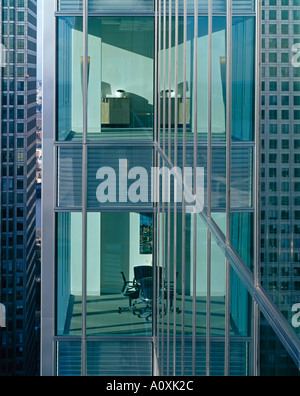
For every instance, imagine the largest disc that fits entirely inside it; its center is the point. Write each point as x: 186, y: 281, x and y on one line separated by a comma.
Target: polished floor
x: 103, y: 317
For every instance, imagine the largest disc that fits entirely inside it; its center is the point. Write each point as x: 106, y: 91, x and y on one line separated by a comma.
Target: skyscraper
x: 280, y: 172
x: 150, y: 212
x: 18, y: 352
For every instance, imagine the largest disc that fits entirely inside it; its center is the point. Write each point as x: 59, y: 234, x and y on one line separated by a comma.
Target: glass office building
x: 280, y: 164
x: 150, y: 197
x: 18, y: 340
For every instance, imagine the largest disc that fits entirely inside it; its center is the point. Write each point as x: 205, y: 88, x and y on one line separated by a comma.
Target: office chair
x: 146, y: 296
x: 142, y: 271
x: 131, y: 291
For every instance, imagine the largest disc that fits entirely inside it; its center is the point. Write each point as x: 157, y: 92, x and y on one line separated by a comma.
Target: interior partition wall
x: 136, y: 86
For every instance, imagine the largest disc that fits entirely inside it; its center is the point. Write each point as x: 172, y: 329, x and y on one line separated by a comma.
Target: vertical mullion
x: 158, y: 178
x: 184, y: 203
x: 195, y: 184
x: 155, y: 211
x: 170, y: 82
x: 155, y: 112
x: 158, y: 259
x: 164, y: 73
x: 256, y: 311
x: 175, y: 185
x: 162, y: 282
x: 169, y: 203
x: 84, y: 185
x: 209, y: 171
x: 159, y: 76
x: 228, y: 177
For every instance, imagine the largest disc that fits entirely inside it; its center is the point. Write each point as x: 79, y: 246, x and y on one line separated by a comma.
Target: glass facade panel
x: 69, y: 175
x: 70, y: 5
x: 68, y: 359
x: 120, y: 98
x: 119, y: 245
x: 69, y: 96
x: 119, y: 359
x: 274, y: 359
x: 119, y: 177
x: 243, y: 79
x: 69, y: 274
x: 239, y: 362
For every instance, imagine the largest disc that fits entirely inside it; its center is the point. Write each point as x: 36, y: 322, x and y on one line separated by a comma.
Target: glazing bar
x: 158, y: 181
x: 164, y: 72
x: 155, y: 186
x: 155, y: 113
x: 194, y: 324
x: 209, y: 172
x: 175, y: 186
x: 159, y: 76
x: 228, y: 177
x: 170, y: 82
x: 183, y: 203
x: 158, y: 261
x: 84, y: 184
x: 169, y: 204
x: 164, y: 250
x: 162, y: 281
x: 256, y: 312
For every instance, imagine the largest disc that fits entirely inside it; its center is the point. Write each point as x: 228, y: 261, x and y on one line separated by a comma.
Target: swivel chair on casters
x: 146, y: 296
x: 131, y: 291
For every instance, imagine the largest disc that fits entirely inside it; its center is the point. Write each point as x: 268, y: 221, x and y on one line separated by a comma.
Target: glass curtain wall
x: 168, y: 89
x: 192, y: 125
x: 104, y: 240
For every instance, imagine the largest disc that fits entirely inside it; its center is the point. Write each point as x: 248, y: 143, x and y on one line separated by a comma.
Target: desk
x: 180, y: 111
x: 115, y: 111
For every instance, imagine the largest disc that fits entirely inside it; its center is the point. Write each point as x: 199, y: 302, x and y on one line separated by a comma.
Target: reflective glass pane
x: 69, y: 274
x: 274, y: 359
x: 120, y: 98
x: 68, y: 359
x: 120, y: 247
x: 243, y: 31
x: 69, y: 183
x: 119, y: 358
x: 120, y: 177
x: 69, y: 103
x: 70, y: 5
x: 121, y: 5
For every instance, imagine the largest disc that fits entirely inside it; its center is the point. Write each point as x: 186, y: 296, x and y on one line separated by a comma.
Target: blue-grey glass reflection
x: 120, y: 97
x: 242, y: 83
x: 69, y: 102
x: 119, y: 245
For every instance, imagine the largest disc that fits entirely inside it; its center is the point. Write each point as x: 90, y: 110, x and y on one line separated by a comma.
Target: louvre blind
x: 99, y: 157
x: 148, y: 5
x: 119, y: 358
x: 239, y: 352
x: 69, y: 189
x: 241, y: 187
x: 69, y: 359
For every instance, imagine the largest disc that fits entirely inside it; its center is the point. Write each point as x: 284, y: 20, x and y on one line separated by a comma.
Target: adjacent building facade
x: 18, y: 350
x: 151, y: 168
x: 280, y: 241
